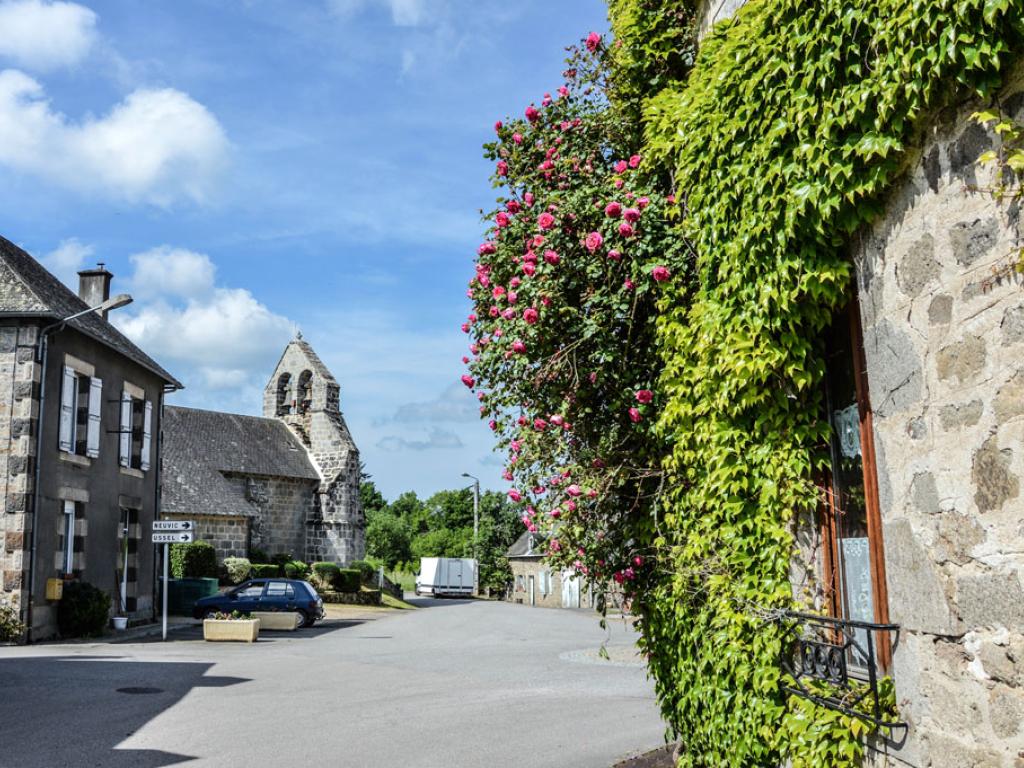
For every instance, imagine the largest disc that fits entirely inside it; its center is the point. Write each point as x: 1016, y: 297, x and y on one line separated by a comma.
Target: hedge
x: 197, y: 560
x: 83, y: 610
x: 263, y: 571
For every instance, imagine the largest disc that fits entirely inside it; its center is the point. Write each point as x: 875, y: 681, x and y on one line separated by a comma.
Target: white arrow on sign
x: 173, y: 525
x: 177, y: 537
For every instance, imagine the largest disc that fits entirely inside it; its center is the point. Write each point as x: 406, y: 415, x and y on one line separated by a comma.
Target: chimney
x: 94, y: 286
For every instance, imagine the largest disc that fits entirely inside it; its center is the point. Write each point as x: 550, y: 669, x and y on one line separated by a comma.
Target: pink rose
x: 512, y: 297
x: 660, y: 273
x: 502, y: 168
x: 570, y: 505
x: 621, y: 166
x: 554, y: 546
x: 634, y: 161
x: 631, y: 215
x: 614, y: 255
x: 515, y: 282
x: 484, y: 281
x: 508, y: 314
x: 593, y: 41
x: 512, y: 206
x: 465, y: 327
x: 638, y: 561
x: 530, y: 315
x: 545, y: 220
x: 643, y: 202
x: 618, y: 183
x: 493, y: 425
x: 613, y: 209
x: 497, y: 126
x: 498, y: 292
x: 515, y: 495
x: 493, y: 311
x: 635, y: 416
x: 547, y: 100
x: 468, y: 380
x: 594, y: 241
x: 551, y: 257
x: 557, y: 420
x: 532, y: 114
x: 563, y: 91
x: 517, y: 138
x: 540, y: 425
x: 528, y: 198
x: 644, y: 396
x: 486, y: 248
x: 507, y: 474
x: 529, y: 268
x: 574, y: 490
x: 518, y: 347
x: 555, y: 513
x: 501, y: 219
x: 625, y: 229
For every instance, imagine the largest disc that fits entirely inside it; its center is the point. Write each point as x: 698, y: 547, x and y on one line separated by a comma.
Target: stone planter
x: 120, y: 623
x: 231, y: 630
x: 285, y: 621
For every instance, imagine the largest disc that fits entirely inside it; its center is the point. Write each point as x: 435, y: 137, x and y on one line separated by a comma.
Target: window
x: 136, y: 429
x: 854, y: 569
x: 305, y: 391
x: 80, y: 404
x: 128, y: 547
x: 251, y: 592
x: 68, y: 539
x: 284, y: 394
x: 279, y: 589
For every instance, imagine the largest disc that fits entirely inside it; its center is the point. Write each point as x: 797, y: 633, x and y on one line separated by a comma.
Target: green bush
x: 264, y: 571
x: 257, y: 555
x: 237, y: 568
x: 324, y: 575
x: 83, y: 610
x: 296, y: 569
x: 367, y: 572
x: 197, y: 560
x: 11, y: 627
x: 281, y: 559
x: 347, y: 580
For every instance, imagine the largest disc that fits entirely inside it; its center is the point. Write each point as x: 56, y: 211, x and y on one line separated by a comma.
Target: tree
x: 370, y: 498
x: 388, y: 538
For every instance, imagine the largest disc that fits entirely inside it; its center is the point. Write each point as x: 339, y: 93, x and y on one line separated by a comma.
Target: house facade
x: 535, y: 582
x: 921, y: 523
x: 80, y: 407
x: 284, y: 483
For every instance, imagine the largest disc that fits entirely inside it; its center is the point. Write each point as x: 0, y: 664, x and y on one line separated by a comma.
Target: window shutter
x: 147, y: 423
x: 67, y: 410
x: 125, y: 441
x: 92, y: 446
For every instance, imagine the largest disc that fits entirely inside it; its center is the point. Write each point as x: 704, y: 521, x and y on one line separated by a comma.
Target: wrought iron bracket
x: 842, y: 654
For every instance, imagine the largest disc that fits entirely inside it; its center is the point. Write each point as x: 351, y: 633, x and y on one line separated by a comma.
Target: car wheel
x: 304, y: 620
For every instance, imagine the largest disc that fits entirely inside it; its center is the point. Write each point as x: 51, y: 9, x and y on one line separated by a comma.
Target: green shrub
x: 83, y: 610
x: 367, y: 573
x: 257, y: 555
x: 296, y: 569
x: 325, y: 574
x: 264, y: 571
x: 197, y: 560
x: 281, y: 559
x: 237, y: 569
x: 11, y: 627
x: 347, y: 580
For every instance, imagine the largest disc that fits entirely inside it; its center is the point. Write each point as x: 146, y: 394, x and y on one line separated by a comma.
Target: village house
x: 919, y: 534
x: 284, y: 483
x: 536, y: 582
x: 80, y: 407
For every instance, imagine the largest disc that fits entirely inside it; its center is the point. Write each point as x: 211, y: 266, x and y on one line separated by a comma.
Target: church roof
x: 200, y: 447
x: 27, y: 289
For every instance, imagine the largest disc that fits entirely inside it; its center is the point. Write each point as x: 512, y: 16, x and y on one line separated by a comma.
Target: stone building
x: 80, y: 406
x: 286, y: 482
x: 922, y: 520
x: 535, y: 582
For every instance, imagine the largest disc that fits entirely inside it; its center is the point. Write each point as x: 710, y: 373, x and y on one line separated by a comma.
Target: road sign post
x: 169, y: 532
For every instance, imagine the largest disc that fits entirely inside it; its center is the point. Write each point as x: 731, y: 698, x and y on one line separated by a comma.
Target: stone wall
x: 281, y: 508
x: 944, y: 343
x: 228, y: 535
x: 19, y: 376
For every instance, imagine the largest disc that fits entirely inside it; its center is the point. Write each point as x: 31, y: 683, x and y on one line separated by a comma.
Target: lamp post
x: 476, y: 508
x: 115, y: 302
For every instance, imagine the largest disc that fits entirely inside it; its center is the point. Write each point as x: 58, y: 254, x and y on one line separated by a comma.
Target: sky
x: 252, y: 168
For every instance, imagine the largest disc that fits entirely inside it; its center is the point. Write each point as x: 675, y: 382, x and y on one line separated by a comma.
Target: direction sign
x: 174, y: 525
x: 175, y: 537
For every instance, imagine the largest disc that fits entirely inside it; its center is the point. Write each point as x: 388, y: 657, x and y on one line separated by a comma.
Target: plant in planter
x: 228, y: 627
x: 237, y: 569
x: 11, y: 627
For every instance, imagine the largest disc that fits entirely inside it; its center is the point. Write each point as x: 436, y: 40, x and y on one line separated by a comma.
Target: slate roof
x: 199, y: 447
x: 527, y: 545
x: 27, y: 289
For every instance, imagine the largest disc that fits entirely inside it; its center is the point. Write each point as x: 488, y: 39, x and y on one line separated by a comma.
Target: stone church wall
x: 281, y: 508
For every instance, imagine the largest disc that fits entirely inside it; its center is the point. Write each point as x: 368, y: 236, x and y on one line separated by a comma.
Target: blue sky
x: 250, y: 167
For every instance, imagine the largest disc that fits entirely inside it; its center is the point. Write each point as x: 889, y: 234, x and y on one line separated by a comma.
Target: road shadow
x: 72, y: 711
x: 440, y: 602
x: 194, y: 632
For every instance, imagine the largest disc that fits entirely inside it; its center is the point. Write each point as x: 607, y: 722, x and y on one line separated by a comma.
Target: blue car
x: 265, y: 595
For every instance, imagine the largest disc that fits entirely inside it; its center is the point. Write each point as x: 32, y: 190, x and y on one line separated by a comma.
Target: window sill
x: 74, y: 458
x: 133, y: 472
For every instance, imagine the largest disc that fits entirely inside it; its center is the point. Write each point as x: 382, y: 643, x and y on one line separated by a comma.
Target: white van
x: 446, y: 576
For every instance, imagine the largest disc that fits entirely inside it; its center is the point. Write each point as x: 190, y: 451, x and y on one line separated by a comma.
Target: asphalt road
x: 453, y: 684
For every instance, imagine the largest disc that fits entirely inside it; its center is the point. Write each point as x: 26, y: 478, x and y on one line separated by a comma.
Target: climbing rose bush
x: 561, y: 348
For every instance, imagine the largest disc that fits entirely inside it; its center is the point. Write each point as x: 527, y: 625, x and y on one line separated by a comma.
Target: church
x: 283, y: 483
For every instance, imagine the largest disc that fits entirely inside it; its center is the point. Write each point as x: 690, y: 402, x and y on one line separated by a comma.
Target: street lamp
x: 115, y: 302
x: 476, y: 508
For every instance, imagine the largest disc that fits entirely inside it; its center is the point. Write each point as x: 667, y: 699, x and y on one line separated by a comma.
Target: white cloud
x: 156, y: 146
x: 173, y: 272
x: 67, y: 259
x: 404, y: 13
x: 46, y: 35
x: 212, y: 337
x: 455, y: 404
x: 437, y: 439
